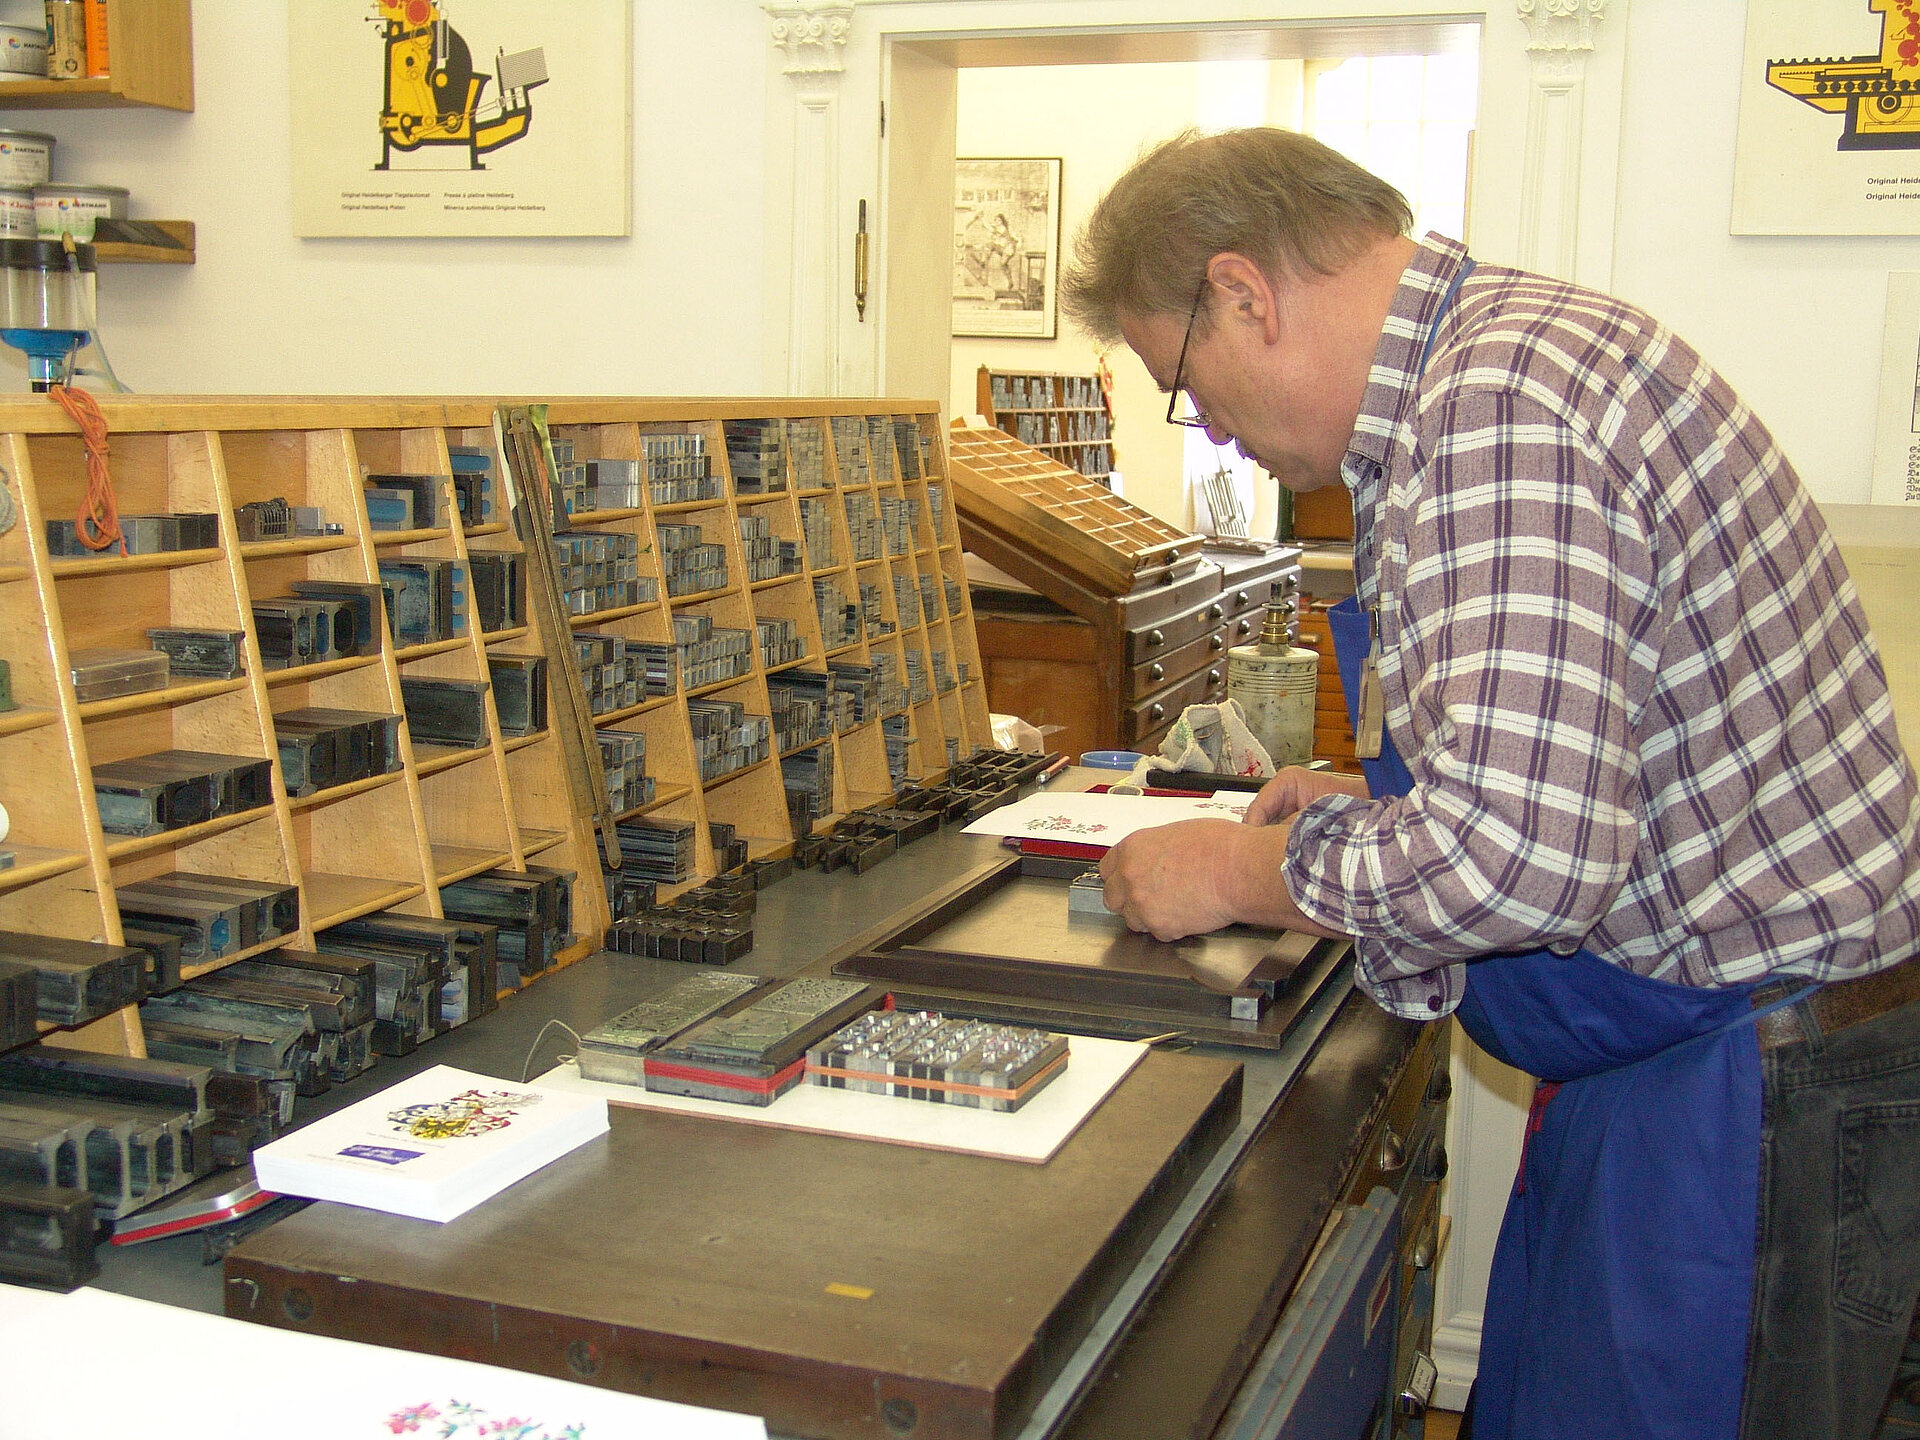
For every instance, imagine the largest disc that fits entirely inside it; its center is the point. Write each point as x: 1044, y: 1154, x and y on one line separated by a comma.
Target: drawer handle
x: 1154, y: 637
x: 1393, y: 1152
x: 1156, y: 710
x: 1440, y: 1086
x: 1214, y: 612
x: 1216, y: 641
x: 1213, y: 677
x: 1246, y: 627
x: 1240, y: 598
x: 1156, y: 671
x: 1433, y: 1164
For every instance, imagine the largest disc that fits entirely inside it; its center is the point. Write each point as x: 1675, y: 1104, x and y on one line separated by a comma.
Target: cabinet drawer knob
x: 1240, y: 598
x: 1393, y: 1152
x: 1246, y: 626
x: 1156, y: 671
x: 1154, y: 637
x: 1216, y: 641
x: 1214, y: 612
x: 1213, y: 677
x: 1156, y: 710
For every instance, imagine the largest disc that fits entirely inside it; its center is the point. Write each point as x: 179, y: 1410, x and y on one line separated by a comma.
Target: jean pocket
x: 1876, y: 1257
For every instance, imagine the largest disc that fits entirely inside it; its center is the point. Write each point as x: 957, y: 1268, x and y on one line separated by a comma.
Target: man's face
x: 1275, y: 400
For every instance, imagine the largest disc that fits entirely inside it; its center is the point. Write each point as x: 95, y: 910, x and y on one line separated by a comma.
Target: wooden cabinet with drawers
x: 1114, y: 672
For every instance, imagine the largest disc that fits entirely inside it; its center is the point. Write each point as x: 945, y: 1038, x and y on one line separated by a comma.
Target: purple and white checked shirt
x: 1621, y: 658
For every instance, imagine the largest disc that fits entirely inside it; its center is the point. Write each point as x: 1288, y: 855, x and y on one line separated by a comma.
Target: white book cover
x: 432, y: 1146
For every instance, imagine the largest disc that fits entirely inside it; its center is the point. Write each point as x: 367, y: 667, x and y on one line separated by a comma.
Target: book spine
x: 96, y: 19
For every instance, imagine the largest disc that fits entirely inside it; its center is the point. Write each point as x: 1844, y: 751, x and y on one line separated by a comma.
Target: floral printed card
x: 1084, y: 819
x: 432, y: 1146
x: 288, y: 1385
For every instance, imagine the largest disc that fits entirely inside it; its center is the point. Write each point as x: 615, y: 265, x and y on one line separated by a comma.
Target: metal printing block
x: 136, y: 800
x: 389, y: 508
x: 921, y: 1055
x: 264, y: 519
x: 499, y: 597
x: 445, y: 712
x: 77, y: 980
x: 365, y: 603
x: 163, y: 956
x: 108, y: 674
x: 756, y: 1054
x: 1087, y: 895
x: 519, y: 692
x: 308, y: 759
x: 614, y: 1051
x: 19, y: 1003
x: 207, y: 654
x: 427, y: 492
x: 210, y: 926
x: 47, y: 1236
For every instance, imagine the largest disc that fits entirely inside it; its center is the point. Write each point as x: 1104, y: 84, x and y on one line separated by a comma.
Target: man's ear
x: 1243, y: 291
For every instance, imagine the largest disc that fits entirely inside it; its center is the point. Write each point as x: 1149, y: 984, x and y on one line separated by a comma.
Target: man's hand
x: 1198, y: 875
x: 1295, y: 788
x: 1169, y: 881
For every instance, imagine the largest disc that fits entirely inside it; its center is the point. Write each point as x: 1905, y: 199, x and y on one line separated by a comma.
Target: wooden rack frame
x: 394, y: 840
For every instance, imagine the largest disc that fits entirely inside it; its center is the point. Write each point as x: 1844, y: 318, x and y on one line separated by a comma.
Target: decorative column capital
x: 813, y: 35
x: 1560, y: 26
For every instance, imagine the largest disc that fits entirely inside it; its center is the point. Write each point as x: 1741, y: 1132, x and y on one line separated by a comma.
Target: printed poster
x: 1896, y: 444
x: 1829, y: 134
x: 461, y: 117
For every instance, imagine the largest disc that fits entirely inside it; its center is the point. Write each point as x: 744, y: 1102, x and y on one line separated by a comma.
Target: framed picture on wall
x: 1829, y: 134
x: 1006, y: 247
x: 461, y: 117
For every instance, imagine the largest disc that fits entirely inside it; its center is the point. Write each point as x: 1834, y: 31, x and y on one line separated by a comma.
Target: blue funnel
x: 49, y: 353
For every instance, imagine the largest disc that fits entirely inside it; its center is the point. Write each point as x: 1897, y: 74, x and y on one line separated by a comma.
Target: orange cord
x: 98, y: 523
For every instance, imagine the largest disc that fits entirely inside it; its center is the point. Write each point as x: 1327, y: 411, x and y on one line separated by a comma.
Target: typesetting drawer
x: 1157, y: 641
x: 1163, y: 709
x: 1144, y: 680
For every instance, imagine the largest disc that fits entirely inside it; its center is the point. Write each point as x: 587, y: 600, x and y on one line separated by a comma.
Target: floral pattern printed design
x: 470, y: 1113
x: 457, y: 1418
x: 1063, y: 824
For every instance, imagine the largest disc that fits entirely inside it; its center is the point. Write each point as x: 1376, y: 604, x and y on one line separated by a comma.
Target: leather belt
x: 1836, y: 1004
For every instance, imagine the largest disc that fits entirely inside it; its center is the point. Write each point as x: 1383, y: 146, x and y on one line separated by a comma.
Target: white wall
x: 675, y: 308
x: 1044, y: 110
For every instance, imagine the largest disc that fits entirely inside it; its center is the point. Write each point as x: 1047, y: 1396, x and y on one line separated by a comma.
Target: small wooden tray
x: 1041, y: 506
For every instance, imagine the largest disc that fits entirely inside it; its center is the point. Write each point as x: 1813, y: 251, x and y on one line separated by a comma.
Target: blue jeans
x: 1838, y: 1247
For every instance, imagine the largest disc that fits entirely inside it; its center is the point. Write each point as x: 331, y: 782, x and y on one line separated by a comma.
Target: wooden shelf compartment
x: 150, y: 52
x: 298, y: 545
x: 27, y: 717
x: 334, y: 899
x: 432, y: 759
x: 117, y: 564
x: 180, y: 693
x: 126, y: 847
x: 173, y: 244
x: 34, y: 863
x: 301, y: 674
x: 343, y: 792
x: 457, y: 862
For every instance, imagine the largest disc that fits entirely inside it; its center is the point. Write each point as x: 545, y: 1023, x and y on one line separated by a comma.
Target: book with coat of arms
x: 432, y: 1146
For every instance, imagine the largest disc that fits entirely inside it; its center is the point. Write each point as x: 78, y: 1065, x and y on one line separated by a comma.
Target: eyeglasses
x: 1198, y: 419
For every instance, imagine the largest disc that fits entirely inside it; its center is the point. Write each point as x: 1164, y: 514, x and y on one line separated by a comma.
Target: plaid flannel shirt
x: 1622, y: 660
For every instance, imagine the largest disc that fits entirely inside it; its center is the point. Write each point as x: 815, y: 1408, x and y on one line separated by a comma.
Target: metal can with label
x: 66, y: 40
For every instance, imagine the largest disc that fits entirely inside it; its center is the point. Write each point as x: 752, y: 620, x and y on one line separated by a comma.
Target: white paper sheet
x: 98, y: 1364
x: 1102, y: 819
x: 1030, y: 1134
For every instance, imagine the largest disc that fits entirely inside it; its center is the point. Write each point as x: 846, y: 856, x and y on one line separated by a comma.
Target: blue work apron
x: 1623, y: 1276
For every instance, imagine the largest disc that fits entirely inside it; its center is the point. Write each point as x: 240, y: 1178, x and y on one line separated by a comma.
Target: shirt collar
x: 1394, y: 381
